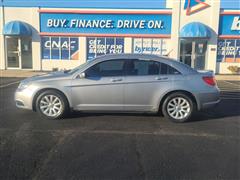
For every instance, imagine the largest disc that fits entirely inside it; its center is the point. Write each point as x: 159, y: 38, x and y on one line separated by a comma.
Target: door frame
x: 19, y: 51
x: 193, y: 54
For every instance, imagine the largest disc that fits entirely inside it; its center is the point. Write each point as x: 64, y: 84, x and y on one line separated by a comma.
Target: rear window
x: 166, y: 69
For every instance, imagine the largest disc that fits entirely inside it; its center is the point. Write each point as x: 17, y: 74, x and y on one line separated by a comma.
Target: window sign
x: 64, y: 48
x: 91, y: 48
x: 137, y: 47
x: 77, y: 23
x: 60, y: 48
x: 157, y: 46
x: 229, y: 24
x: 101, y: 46
x: 220, y: 50
x: 228, y: 50
x: 119, y: 46
x: 55, y: 48
x: 237, y: 51
x: 46, y: 47
x: 149, y: 46
x: 110, y: 48
x: 74, y: 50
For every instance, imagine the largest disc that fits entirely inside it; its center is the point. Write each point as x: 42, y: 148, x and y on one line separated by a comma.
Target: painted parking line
x: 234, y: 84
x: 9, y: 84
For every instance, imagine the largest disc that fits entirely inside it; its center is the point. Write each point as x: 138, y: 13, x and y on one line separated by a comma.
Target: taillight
x: 210, y: 80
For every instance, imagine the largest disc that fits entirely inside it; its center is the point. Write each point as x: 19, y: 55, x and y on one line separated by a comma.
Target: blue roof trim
x: 195, y: 30
x: 17, y: 28
x: 122, y: 4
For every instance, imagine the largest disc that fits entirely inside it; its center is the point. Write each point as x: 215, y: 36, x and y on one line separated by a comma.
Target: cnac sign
x: 192, y: 6
x: 111, y: 24
x: 229, y: 25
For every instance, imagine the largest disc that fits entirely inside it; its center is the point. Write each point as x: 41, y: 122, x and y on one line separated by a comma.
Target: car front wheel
x: 51, y: 104
x: 178, y: 107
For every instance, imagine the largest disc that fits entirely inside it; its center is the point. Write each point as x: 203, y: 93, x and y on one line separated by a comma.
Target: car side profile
x: 121, y: 83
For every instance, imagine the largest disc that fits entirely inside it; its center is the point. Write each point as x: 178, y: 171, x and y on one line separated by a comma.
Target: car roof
x: 183, y: 68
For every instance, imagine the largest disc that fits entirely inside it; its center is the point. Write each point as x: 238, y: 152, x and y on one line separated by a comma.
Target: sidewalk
x: 20, y: 73
x: 26, y: 73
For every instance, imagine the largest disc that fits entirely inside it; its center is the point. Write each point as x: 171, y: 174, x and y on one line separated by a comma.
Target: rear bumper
x: 208, y: 100
x: 209, y: 105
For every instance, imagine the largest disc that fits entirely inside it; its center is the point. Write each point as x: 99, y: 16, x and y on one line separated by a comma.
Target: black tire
x: 189, y: 111
x: 61, y: 99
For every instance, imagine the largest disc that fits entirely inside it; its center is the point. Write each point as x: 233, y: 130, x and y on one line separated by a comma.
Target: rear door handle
x: 116, y: 79
x: 161, y: 78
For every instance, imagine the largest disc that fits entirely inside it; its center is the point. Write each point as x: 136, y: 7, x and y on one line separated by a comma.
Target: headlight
x: 23, y: 85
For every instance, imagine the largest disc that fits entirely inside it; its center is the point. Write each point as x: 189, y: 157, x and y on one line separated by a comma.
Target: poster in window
x: 64, y: 48
x: 55, y: 48
x: 164, y: 47
x: 91, y: 48
x: 147, y: 46
x: 45, y: 45
x: 110, y: 47
x: 119, y: 48
x: 237, y: 51
x: 74, y: 50
x: 101, y: 47
x: 156, y: 46
x: 229, y: 50
x: 220, y: 50
x: 137, y: 45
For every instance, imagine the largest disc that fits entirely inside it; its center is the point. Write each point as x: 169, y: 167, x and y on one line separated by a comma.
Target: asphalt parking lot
x: 120, y: 146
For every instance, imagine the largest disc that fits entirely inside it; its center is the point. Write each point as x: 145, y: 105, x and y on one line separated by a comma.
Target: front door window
x: 193, y: 53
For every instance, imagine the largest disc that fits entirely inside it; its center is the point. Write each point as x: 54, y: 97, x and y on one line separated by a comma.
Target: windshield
x: 78, y: 67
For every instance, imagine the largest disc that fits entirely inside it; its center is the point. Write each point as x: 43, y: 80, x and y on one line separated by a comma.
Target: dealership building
x: 50, y: 34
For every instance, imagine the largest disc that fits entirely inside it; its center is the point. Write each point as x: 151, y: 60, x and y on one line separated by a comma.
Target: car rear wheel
x: 178, y: 107
x: 51, y: 104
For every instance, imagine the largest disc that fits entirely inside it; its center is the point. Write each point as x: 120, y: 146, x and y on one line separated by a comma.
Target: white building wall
x: 31, y: 17
x: 208, y: 16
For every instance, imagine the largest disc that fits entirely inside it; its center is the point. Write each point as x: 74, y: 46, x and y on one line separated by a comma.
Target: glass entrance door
x: 13, y: 52
x: 19, y: 53
x: 26, y: 53
x: 193, y: 53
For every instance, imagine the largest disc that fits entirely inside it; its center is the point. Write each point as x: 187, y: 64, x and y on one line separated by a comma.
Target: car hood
x: 48, y: 76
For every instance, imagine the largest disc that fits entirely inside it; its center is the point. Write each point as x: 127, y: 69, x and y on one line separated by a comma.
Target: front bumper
x: 23, y: 99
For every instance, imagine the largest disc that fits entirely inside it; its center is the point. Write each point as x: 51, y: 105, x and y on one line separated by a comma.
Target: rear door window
x: 142, y: 68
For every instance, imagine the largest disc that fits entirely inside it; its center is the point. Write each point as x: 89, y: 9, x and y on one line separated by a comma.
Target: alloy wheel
x: 178, y: 108
x: 51, y: 105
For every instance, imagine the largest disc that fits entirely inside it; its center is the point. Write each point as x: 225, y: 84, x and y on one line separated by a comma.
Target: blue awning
x: 17, y: 28
x: 195, y: 30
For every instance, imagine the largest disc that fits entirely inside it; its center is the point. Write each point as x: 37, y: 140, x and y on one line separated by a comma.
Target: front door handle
x: 161, y: 78
x: 116, y: 79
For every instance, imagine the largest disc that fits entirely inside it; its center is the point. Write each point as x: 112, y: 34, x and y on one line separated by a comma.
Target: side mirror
x: 82, y: 75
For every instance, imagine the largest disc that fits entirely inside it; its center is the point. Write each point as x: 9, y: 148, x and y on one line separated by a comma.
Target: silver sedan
x: 121, y: 83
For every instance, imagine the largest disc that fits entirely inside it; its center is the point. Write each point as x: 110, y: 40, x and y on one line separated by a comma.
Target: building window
x: 100, y: 46
x: 60, y: 48
x: 228, y: 50
x: 150, y: 46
